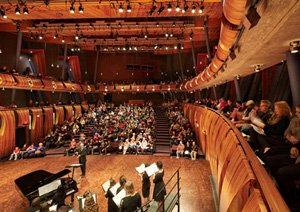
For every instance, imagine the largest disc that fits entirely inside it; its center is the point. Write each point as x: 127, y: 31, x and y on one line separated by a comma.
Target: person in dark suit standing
x: 82, y: 158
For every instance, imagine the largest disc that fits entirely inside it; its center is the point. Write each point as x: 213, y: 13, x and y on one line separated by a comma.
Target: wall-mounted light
x: 294, y: 46
x: 257, y: 68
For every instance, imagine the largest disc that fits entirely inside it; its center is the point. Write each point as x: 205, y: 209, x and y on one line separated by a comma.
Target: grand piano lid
x: 32, y: 181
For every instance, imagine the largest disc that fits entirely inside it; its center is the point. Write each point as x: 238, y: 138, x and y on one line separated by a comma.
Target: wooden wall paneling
x: 85, y: 107
x: 36, y: 125
x: 68, y: 112
x: 58, y: 85
x: 59, y: 115
x: 23, y: 117
x: 23, y: 82
x: 226, y: 149
x: 77, y: 110
x: 7, y: 133
x: 77, y: 87
x: 48, y: 119
x: 69, y: 86
x: 119, y: 88
x: 92, y: 88
x: 7, y: 80
x: 126, y: 88
x: 48, y: 85
x: 238, y: 174
x: 110, y: 88
x: 36, y: 83
x: 255, y: 202
x: 102, y: 88
x: 85, y: 88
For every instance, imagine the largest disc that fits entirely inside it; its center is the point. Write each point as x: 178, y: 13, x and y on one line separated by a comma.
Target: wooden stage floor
x: 196, y: 192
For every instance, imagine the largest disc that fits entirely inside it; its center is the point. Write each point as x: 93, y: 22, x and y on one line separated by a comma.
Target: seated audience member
x: 59, y: 140
x: 133, y: 199
x: 236, y: 115
x: 75, y: 129
x: 72, y: 146
x: 144, y: 145
x: 247, y: 114
x: 3, y: 69
x: 228, y: 108
x: 40, y: 150
x: 223, y: 103
x: 291, y: 137
x: 89, y: 204
x: 23, y: 151
x: 125, y: 146
x: 180, y: 149
x: 286, y: 170
x: 187, y: 149
x: 264, y: 113
x: 30, y: 151
x: 275, y: 127
x: 194, y: 151
x: 15, y: 154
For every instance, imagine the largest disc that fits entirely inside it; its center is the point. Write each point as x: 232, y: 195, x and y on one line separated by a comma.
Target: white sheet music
x: 150, y: 170
x: 141, y: 168
x: 117, y: 199
x: 105, y: 186
x: 53, y: 208
x: 49, y: 187
x: 257, y: 121
x: 114, y: 189
x: 258, y: 129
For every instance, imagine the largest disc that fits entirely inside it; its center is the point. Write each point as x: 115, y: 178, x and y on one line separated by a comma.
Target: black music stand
x: 73, y: 166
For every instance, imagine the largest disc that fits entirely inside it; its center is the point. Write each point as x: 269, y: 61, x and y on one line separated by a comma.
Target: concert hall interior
x: 200, y: 98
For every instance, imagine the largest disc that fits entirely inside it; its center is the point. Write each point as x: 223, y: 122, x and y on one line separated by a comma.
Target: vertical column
x: 207, y: 41
x: 181, y: 68
x: 63, y: 68
x: 195, y: 64
x: 64, y: 64
x: 237, y: 90
x: 215, y: 92
x: 96, y: 64
x: 18, y: 53
x: 293, y: 63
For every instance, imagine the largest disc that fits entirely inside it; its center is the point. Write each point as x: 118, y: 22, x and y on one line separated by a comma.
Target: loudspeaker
x: 251, y: 18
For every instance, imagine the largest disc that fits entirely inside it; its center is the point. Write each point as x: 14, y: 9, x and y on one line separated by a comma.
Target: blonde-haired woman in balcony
x: 274, y: 128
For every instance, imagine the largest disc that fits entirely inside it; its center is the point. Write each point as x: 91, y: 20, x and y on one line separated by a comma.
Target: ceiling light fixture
x: 17, y: 10
x: 3, y: 14
x: 152, y: 10
x: 193, y: 9
x: 201, y: 9
x: 257, y: 68
x: 72, y: 9
x: 294, y: 47
x: 121, y: 8
x: 80, y: 8
x: 185, y: 8
x: 169, y: 7
x: 25, y: 10
x: 129, y: 8
x: 160, y: 9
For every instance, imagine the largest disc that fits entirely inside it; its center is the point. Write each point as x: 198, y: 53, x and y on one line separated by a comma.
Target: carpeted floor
x: 196, y: 193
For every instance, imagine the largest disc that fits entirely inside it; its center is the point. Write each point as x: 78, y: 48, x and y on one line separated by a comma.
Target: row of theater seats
x: 242, y: 183
x: 32, y: 83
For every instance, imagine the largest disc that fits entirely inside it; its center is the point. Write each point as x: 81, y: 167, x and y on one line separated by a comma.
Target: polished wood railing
x: 243, y: 184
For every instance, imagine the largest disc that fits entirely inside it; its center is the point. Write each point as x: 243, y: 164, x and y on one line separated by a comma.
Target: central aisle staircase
x: 162, y: 145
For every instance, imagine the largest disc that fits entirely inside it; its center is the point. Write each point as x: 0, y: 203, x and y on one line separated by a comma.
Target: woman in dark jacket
x: 133, y: 199
x: 112, y: 207
x: 145, y: 186
x: 159, y: 191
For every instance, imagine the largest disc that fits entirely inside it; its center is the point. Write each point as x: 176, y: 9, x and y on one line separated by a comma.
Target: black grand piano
x: 44, y: 184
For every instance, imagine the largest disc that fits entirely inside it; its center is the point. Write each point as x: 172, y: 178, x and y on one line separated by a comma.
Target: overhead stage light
x: 177, y: 8
x: 25, y: 10
x: 201, y: 9
x: 169, y: 7
x: 160, y: 9
x: 121, y: 8
x: 294, y: 46
x: 55, y: 36
x: 257, y: 68
x: 152, y: 10
x: 128, y: 8
x: 185, y: 8
x: 80, y: 9
x: 3, y: 14
x: 193, y: 9
x: 72, y: 9
x: 17, y: 10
